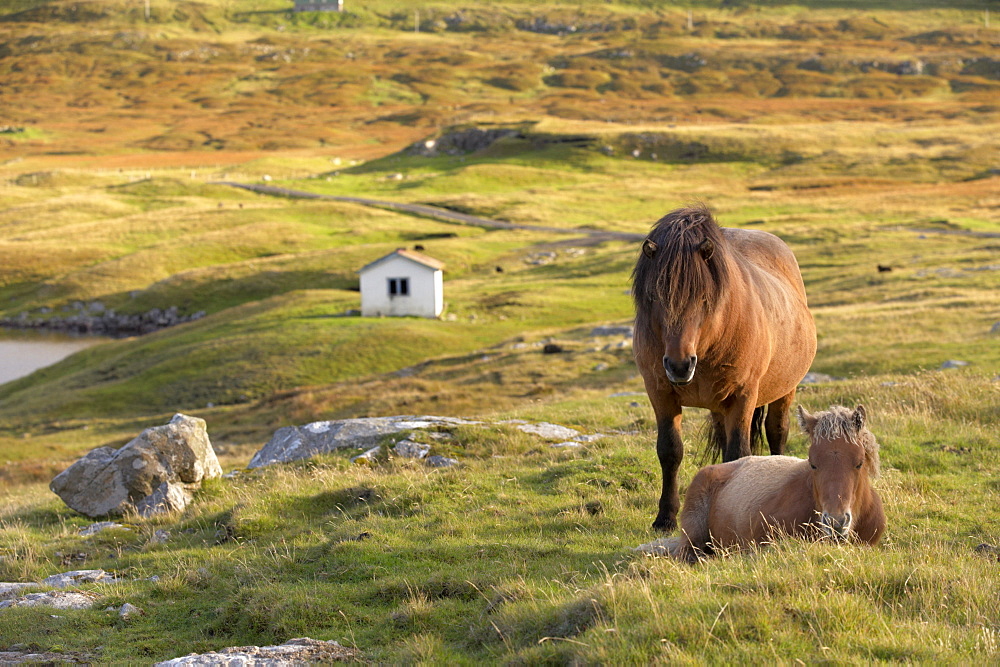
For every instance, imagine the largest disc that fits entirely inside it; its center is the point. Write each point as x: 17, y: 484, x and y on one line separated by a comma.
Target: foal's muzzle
x: 837, y: 527
x: 680, y: 373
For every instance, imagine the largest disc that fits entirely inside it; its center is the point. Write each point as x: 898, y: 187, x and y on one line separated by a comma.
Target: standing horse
x: 753, y: 499
x: 721, y: 323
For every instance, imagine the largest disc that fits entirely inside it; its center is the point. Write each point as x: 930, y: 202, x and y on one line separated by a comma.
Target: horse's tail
x: 757, y: 431
x: 717, y: 435
x: 716, y: 449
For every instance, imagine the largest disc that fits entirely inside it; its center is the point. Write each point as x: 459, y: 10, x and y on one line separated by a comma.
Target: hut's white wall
x: 425, y: 296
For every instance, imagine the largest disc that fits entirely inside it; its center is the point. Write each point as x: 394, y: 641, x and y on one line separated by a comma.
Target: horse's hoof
x: 665, y: 525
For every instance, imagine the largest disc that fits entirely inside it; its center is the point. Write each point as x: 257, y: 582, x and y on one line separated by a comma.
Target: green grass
x: 545, y: 571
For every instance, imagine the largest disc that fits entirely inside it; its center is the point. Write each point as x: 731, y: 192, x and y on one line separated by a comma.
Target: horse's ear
x: 649, y: 248
x: 707, y: 249
x: 806, y: 421
x: 860, y: 417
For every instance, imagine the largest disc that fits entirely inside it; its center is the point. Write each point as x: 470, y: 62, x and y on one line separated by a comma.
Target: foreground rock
x: 12, y: 590
x: 302, y: 651
x: 95, y: 528
x: 411, y: 450
x: 19, y: 657
x: 301, y: 442
x: 613, y: 330
x: 54, y: 599
x: 14, y: 595
x: 547, y: 431
x: 11, y: 596
x: 155, y: 472
x: 813, y: 377
x: 77, y: 578
x: 658, y: 547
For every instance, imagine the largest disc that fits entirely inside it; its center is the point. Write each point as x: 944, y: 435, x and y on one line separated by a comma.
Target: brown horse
x: 754, y: 499
x: 721, y: 323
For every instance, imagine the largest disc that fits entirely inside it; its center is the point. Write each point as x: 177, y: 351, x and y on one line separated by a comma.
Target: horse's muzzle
x: 837, y: 527
x: 681, y: 373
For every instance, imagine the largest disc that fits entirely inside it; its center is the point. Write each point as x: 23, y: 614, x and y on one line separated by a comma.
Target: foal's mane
x: 677, y: 276
x: 839, y: 422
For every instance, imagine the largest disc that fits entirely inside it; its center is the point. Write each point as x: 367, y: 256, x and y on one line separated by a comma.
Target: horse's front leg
x: 670, y: 451
x: 738, y: 419
x: 776, y: 423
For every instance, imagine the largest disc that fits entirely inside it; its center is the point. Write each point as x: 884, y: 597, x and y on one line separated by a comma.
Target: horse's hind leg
x: 776, y: 423
x: 738, y: 422
x: 695, y: 538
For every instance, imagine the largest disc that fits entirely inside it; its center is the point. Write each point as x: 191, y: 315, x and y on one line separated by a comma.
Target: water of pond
x: 22, y: 352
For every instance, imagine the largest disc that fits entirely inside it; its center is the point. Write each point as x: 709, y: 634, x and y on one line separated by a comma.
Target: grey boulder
x: 292, y: 443
x: 10, y: 590
x: 55, y: 599
x: 156, y: 472
x: 302, y: 651
x: 78, y: 577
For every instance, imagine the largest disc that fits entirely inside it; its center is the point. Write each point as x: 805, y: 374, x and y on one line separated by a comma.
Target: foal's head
x: 844, y: 458
x: 677, y: 281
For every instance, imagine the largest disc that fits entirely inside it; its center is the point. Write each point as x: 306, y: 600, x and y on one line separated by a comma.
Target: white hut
x: 404, y: 282
x: 319, y: 5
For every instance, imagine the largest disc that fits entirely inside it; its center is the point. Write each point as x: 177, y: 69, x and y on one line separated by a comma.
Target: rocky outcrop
x: 17, y: 655
x: 546, y: 430
x: 14, y: 595
x: 94, y: 319
x: 301, y: 442
x: 461, y: 142
x: 78, y: 577
x: 626, y: 331
x: 54, y: 599
x: 662, y: 546
x: 155, y: 472
x: 411, y: 450
x: 546, y: 25
x: 303, y: 651
x: 10, y: 590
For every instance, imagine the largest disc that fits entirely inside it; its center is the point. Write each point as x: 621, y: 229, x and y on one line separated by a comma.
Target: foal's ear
x: 860, y: 417
x: 649, y: 248
x: 806, y: 421
x: 707, y: 249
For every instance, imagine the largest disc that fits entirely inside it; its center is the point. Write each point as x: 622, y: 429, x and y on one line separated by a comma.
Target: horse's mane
x: 839, y: 422
x: 676, y: 275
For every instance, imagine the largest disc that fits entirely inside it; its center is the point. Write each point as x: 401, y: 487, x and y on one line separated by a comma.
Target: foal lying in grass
x: 756, y: 498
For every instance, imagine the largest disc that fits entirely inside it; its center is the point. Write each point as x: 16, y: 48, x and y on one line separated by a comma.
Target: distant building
x: 319, y: 5
x: 404, y: 282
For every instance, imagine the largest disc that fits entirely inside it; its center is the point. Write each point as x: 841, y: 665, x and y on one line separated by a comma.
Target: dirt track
x: 434, y: 212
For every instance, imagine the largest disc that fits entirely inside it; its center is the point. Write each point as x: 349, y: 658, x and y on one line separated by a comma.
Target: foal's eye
x: 812, y: 465
x: 859, y: 466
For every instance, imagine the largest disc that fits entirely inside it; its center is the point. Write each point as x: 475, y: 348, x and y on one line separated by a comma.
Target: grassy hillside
x: 862, y: 134
x: 388, y: 560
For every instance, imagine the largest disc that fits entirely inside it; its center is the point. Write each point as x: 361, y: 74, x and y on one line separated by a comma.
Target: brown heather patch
x: 254, y: 88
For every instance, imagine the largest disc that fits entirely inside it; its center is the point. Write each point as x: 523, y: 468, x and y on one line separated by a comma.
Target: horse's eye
x: 859, y: 466
x: 812, y: 465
